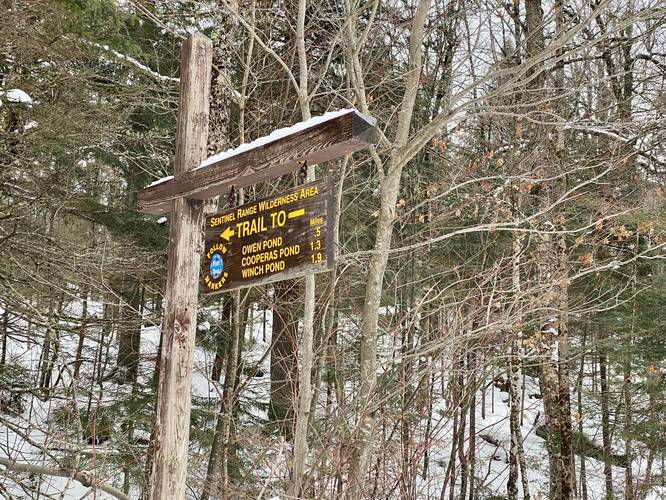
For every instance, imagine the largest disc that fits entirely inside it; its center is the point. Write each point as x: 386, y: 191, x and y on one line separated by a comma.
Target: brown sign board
x: 285, y: 236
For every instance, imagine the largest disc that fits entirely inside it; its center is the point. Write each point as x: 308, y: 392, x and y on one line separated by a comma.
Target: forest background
x: 493, y: 327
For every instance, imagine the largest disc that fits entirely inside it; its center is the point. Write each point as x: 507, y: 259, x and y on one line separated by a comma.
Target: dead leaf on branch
x: 646, y: 228
x: 621, y: 233
x: 587, y: 259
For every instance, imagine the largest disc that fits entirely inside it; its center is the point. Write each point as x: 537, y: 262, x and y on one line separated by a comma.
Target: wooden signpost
x: 281, y: 237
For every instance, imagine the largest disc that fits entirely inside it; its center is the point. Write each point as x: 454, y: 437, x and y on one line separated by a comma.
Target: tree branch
x: 82, y: 477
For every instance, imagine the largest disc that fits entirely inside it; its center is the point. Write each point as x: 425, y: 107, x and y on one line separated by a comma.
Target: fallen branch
x: 82, y: 477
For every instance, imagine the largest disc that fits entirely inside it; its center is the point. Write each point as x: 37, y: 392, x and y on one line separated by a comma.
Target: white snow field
x: 32, y: 436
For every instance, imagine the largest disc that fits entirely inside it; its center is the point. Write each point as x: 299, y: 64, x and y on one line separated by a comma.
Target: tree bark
x: 515, y: 378
x: 222, y: 340
x: 579, y: 394
x: 78, y: 360
x: 605, y: 422
x: 284, y: 370
x: 472, y: 384
x: 5, y: 334
x: 217, y: 481
x: 51, y: 346
x: 129, y: 334
x: 390, y: 187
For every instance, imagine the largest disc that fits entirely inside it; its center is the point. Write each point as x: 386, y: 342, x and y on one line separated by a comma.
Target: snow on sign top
x: 280, y: 133
x: 160, y: 181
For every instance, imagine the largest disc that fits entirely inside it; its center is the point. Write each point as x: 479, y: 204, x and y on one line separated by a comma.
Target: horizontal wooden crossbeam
x: 314, y: 141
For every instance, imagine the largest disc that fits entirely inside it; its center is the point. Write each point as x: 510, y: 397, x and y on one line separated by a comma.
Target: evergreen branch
x: 134, y: 62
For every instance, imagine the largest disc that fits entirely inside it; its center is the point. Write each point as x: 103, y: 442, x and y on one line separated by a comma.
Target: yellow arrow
x: 296, y: 213
x: 227, y: 233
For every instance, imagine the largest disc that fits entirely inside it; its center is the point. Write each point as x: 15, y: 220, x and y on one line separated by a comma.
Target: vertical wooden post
x: 174, y: 397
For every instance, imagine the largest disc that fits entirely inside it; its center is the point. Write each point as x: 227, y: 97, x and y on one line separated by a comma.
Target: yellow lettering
x: 245, y: 211
x: 289, y: 251
x: 248, y: 228
x: 309, y: 192
x: 222, y: 219
x: 274, y: 267
x: 273, y: 242
x: 218, y: 247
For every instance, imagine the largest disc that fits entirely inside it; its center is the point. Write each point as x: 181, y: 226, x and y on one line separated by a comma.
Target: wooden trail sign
x: 316, y: 140
x: 195, y: 179
x: 285, y: 236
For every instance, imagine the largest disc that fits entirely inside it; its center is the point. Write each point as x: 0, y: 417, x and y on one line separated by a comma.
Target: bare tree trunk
x: 626, y: 114
x: 428, y: 430
x: 51, y: 346
x: 472, y: 384
x: 217, y: 483
x: 563, y: 395
x: 554, y: 384
x: 464, y: 406
x: 552, y: 275
x: 516, y: 379
x: 82, y: 333
x: 652, y: 390
x: 405, y: 436
x: 579, y: 393
x: 222, y: 340
x: 628, y: 410
x: 284, y: 373
x: 516, y: 454
x: 5, y: 334
x: 450, y: 475
x: 129, y: 333
x: 307, y: 350
x: 605, y: 422
x: 390, y: 186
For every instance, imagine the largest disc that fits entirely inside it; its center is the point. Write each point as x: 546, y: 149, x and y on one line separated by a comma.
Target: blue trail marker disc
x: 216, y: 266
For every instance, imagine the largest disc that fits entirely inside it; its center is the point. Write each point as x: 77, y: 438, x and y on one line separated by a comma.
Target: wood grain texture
x: 172, y: 427
x: 327, y: 140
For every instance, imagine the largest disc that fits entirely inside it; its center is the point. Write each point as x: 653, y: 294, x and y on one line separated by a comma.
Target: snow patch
x: 160, y: 181
x: 17, y: 95
x: 658, y: 493
x: 30, y: 125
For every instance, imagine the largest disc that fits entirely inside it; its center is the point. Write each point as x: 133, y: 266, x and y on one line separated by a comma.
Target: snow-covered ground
x: 33, y: 437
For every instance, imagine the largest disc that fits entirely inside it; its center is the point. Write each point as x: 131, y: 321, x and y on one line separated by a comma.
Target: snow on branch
x: 133, y: 62
x: 617, y: 137
x: 82, y: 477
